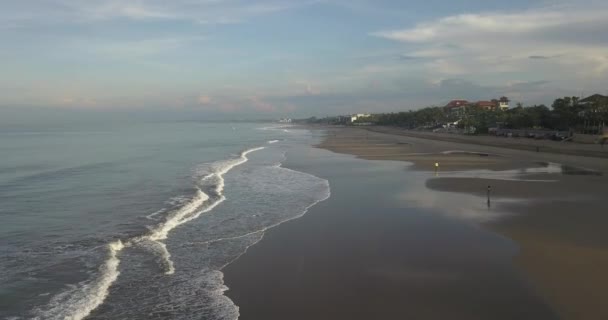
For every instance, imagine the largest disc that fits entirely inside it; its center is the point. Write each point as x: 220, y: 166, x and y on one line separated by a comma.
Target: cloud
x: 237, y: 102
x: 131, y: 10
x: 468, y: 25
x: 310, y: 87
x: 260, y: 105
x: 117, y: 48
x: 204, y: 100
x: 156, y: 53
x: 406, y: 57
x: 539, y: 57
x: 77, y: 102
x: 24, y: 13
x: 412, y: 93
x: 312, y: 91
x: 510, y: 41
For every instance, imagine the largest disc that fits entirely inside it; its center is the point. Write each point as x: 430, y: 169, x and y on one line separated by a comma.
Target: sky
x: 279, y: 58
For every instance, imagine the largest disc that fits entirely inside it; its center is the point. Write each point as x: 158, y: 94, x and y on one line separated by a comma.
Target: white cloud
x: 135, y: 48
x: 496, y: 24
x: 204, y: 100
x: 572, y: 39
x: 25, y: 13
x: 132, y: 10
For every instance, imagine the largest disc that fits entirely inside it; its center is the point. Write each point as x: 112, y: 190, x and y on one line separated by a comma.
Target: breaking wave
x: 78, y: 301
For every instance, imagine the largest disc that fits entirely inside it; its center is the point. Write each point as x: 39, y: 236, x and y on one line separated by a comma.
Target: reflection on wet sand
x: 553, y: 206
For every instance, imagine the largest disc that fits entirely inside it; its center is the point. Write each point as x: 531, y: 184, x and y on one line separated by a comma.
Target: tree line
x: 567, y: 113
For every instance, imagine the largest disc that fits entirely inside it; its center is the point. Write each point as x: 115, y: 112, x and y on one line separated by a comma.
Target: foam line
x: 79, y: 302
x: 154, y: 214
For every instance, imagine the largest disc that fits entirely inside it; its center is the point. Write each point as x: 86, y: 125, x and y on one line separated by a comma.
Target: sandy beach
x: 538, y: 251
x: 559, y: 226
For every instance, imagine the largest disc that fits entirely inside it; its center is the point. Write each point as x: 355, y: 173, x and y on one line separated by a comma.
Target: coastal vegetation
x: 587, y: 115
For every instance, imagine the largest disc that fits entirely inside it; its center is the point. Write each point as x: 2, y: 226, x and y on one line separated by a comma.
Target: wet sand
x: 527, y: 144
x: 558, y: 219
x: 369, y: 253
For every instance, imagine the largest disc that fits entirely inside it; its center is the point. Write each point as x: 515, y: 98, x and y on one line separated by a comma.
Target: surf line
x: 79, y: 301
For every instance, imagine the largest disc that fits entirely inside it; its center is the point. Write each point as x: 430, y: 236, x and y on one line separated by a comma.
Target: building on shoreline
x: 591, y: 110
x: 503, y: 103
x: 487, y: 105
x: 359, y: 116
x: 459, y: 106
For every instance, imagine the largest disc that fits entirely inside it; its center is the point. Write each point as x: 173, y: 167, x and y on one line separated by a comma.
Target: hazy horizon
x: 267, y: 59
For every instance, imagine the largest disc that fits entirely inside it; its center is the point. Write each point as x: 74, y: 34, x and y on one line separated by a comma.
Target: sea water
x: 137, y: 220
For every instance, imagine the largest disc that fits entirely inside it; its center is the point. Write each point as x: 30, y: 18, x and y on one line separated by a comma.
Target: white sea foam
x: 251, y: 236
x: 193, y: 209
x: 223, y: 167
x: 152, y: 215
x: 80, y: 300
x: 263, y: 230
x: 277, y: 127
x: 175, y: 219
x: 273, y: 141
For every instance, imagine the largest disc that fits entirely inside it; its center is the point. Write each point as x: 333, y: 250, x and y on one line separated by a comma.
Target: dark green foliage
x: 426, y: 117
x: 568, y: 113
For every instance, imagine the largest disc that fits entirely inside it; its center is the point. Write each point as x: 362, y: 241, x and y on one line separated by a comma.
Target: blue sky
x: 270, y: 58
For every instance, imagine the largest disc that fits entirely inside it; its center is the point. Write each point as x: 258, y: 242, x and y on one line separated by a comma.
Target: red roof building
x: 488, y: 105
x: 457, y: 104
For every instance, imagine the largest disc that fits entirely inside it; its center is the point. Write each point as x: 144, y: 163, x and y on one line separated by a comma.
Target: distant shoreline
x: 526, y: 144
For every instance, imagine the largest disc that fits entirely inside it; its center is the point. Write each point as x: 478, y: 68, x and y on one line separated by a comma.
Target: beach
x: 409, y: 232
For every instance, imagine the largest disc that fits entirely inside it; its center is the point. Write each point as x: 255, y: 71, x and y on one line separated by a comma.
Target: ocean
x: 137, y: 220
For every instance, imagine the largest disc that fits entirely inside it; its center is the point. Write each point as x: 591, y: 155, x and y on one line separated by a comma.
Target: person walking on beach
x: 489, y: 191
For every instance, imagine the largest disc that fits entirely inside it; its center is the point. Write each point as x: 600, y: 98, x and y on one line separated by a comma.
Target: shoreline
x: 561, y: 250
x: 524, y: 144
x: 367, y: 253
x: 325, y: 266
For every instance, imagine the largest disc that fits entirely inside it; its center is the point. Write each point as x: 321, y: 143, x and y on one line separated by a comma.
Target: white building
x: 503, y: 103
x: 285, y: 120
x: 358, y: 116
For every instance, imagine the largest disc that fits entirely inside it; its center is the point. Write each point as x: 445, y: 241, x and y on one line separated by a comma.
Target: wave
x: 288, y: 195
x: 273, y: 141
x: 152, y: 215
x: 161, y: 231
x: 277, y: 127
x: 80, y: 300
x: 198, y: 205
